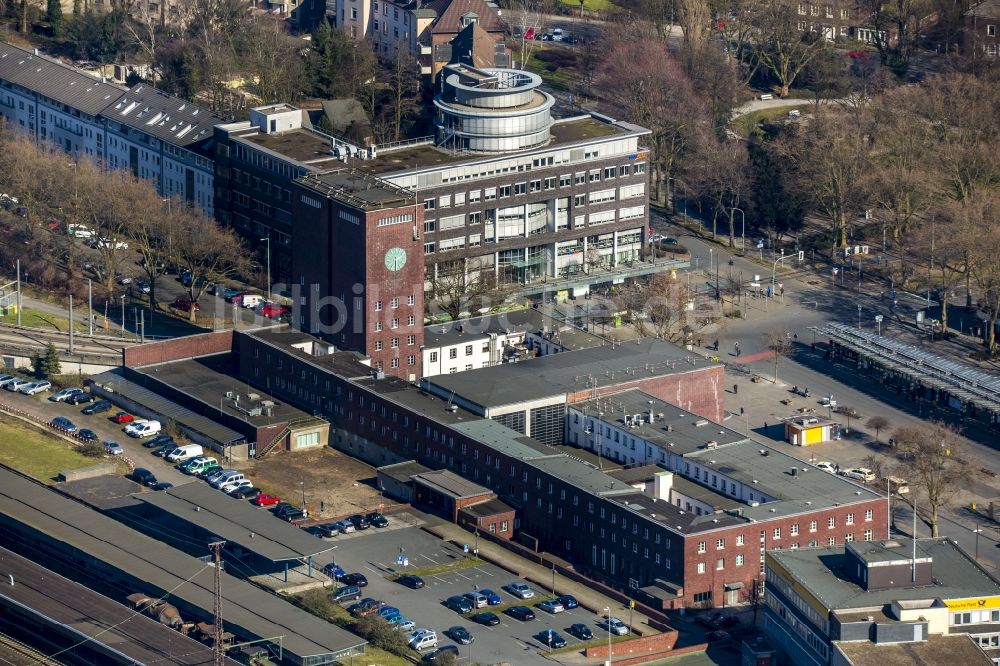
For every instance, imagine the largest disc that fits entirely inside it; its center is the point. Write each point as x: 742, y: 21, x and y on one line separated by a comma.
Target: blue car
x: 388, y: 611
x: 569, y: 601
x: 492, y: 598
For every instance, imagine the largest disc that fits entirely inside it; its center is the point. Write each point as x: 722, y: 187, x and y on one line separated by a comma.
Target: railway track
x: 31, y: 341
x: 17, y: 653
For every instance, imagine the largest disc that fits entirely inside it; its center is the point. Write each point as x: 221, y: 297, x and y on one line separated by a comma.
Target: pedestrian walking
x: 765, y: 427
x: 742, y: 411
x: 736, y: 389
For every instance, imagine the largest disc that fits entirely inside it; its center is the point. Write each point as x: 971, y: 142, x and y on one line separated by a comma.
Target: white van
x: 140, y: 429
x: 186, y: 452
x: 251, y: 301
x: 228, y: 477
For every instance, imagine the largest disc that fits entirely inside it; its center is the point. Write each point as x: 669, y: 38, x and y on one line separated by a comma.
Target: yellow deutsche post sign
x: 975, y: 603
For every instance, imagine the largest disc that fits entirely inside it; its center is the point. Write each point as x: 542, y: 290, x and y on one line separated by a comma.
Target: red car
x: 123, y: 417
x: 184, y: 303
x: 273, y: 311
x: 266, y: 499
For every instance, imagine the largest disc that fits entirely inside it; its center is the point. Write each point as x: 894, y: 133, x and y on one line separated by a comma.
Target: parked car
x: 209, y: 471
x: 581, y: 631
x: 377, y: 520
x: 159, y: 440
x: 36, y: 387
x: 64, y: 424
x: 97, y: 407
x: 244, y: 493
x: 346, y: 593
x: 402, y: 622
x: 6, y: 379
x: 898, y: 484
x: 143, y: 476
x: 477, y: 599
x: 216, y: 475
x: 717, y: 620
x: 123, y: 417
x: 16, y: 384
x: 460, y: 635
x: 826, y: 466
x: 492, y: 598
x: 443, y: 652
x: 412, y: 582
x: 87, y: 435
x: 519, y: 590
x: 62, y: 395
x: 717, y: 636
x: 551, y: 606
x: 236, y: 485
x: 162, y: 485
x: 165, y: 449
x: 859, y: 474
x: 80, y: 398
x: 552, y: 640
x: 272, y: 310
x: 569, y: 601
x: 365, y: 608
x: 422, y: 639
x: 113, y: 448
x: 266, y: 499
x: 184, y: 303
x: 355, y: 579
x: 334, y: 571
x: 487, y: 619
x: 345, y: 526
x: 314, y: 530
x: 289, y: 512
x: 522, y: 613
x: 614, y: 626
x: 359, y: 522
x: 388, y: 611
x: 327, y: 530
x: 142, y: 429
x: 458, y: 603
x: 143, y: 287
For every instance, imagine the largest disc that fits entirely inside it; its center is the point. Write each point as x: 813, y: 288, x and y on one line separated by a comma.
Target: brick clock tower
x: 359, y: 258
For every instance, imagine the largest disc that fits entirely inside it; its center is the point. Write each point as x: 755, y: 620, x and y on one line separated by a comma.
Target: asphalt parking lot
x: 374, y: 552
x: 41, y: 407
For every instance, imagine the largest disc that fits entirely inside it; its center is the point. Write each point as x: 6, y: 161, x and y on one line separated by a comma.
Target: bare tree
x: 404, y: 88
x: 210, y: 252
x: 878, y: 423
x: 932, y: 456
x: 526, y: 16
x: 782, y: 48
x: 458, y: 291
x: 154, y: 231
x: 778, y: 342
x: 695, y: 17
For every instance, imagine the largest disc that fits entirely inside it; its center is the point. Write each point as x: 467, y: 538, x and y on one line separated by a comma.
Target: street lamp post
x: 859, y: 316
x: 607, y: 611
x: 268, y: 241
x: 123, y: 315
x: 977, y: 532
x: 743, y: 229
x: 774, y: 267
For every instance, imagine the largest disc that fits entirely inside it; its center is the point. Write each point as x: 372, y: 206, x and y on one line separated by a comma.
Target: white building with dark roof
x: 156, y: 136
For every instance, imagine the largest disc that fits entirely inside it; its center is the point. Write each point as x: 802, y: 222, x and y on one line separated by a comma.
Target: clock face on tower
x: 395, y: 258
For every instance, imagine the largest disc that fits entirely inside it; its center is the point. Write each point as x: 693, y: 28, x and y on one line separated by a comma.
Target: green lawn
x: 744, y: 125
x: 590, y: 5
x: 37, y: 454
x: 564, y: 78
x: 37, y: 319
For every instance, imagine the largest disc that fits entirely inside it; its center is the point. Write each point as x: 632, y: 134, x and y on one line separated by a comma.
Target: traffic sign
x: 878, y: 318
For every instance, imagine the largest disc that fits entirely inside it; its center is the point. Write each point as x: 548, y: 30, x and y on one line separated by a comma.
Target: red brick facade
x: 644, y: 647
x: 393, y: 298
x: 713, y: 579
x: 178, y: 349
x: 699, y: 391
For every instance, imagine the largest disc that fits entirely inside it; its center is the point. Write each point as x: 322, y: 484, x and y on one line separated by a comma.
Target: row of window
x: 394, y: 343
x: 394, y: 302
x: 720, y: 544
x: 394, y: 323
x: 813, y: 10
x: 581, y: 178
x: 411, y: 360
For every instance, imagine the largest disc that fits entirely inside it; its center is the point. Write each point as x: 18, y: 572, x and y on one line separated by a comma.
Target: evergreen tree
x: 54, y: 15
x: 47, y: 365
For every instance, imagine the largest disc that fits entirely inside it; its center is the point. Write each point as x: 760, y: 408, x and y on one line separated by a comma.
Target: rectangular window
x: 868, y: 514
x: 565, y: 181
x: 776, y: 533
x: 580, y: 178
x: 378, y: 305
x: 430, y: 204
x: 991, y: 30
x: 701, y: 546
x: 609, y: 172
x: 739, y: 560
x: 795, y: 529
x: 411, y: 340
x: 410, y: 299
x: 491, y: 193
x: 720, y: 564
x: 434, y: 357
x: 850, y: 519
x: 505, y: 191
x: 395, y: 343
x: 701, y: 567
x: 520, y: 188
x: 812, y: 525
x: 580, y: 200
x: 831, y: 522
x: 468, y: 350
x: 394, y: 303
x: 868, y: 535
x: 378, y: 345
x: 600, y: 196
x: 720, y: 544
x: 411, y: 360
x: 739, y: 539
x: 536, y: 185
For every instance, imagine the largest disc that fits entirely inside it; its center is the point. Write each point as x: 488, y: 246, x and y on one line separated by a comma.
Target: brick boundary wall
x: 640, y: 647
x: 644, y: 659
x: 178, y: 349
